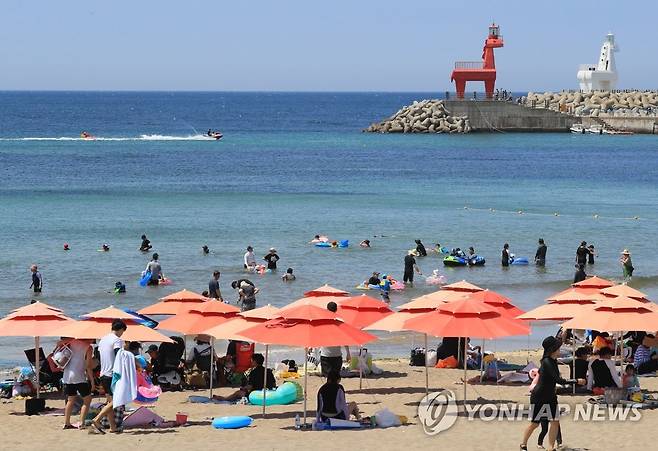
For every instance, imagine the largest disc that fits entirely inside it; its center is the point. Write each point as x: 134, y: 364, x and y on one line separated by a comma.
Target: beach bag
x: 386, y: 419
x: 448, y: 362
x: 430, y: 357
x: 62, y: 356
x: 417, y: 357
x: 491, y: 373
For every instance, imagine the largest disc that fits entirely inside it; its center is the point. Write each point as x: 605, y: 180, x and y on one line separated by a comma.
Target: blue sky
x: 335, y: 45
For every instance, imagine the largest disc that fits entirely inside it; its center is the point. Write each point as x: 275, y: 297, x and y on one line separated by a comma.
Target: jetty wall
x: 487, y: 116
x: 645, y: 125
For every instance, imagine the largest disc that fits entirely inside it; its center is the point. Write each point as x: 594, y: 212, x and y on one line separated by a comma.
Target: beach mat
x: 205, y: 400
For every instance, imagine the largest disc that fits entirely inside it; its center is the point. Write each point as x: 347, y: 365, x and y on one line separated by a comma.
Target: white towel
x: 125, y: 389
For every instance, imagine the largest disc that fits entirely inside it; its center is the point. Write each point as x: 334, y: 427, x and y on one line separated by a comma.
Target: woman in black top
x: 505, y: 255
x: 543, y: 397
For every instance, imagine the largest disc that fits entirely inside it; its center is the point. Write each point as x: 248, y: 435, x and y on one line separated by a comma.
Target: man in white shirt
x: 107, y: 348
x: 250, y: 259
x: 331, y: 357
x: 78, y: 379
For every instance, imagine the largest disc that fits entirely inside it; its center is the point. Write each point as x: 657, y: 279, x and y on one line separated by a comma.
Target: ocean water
x: 292, y: 165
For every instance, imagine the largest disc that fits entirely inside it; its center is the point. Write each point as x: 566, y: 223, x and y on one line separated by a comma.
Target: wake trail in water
x: 154, y: 137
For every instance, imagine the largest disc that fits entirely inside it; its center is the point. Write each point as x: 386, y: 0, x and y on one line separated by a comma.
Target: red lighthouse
x: 484, y: 70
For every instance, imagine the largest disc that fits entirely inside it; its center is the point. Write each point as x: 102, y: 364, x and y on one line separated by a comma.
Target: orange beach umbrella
x: 326, y: 290
x: 201, y: 317
x: 361, y: 311
x: 618, y: 314
x: 467, y: 318
x: 34, y: 320
x: 178, y: 302
x: 624, y: 290
x: 462, y: 286
x: 594, y: 282
x: 498, y: 302
x: 307, y: 326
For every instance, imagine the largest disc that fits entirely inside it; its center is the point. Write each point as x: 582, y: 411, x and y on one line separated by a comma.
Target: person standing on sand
x: 249, y: 259
x: 78, y: 379
x: 331, y: 357
x: 108, y: 347
x: 543, y: 398
x: 213, y: 287
x: 37, y: 280
x: 540, y: 255
x: 271, y: 258
x: 626, y: 264
x: 505, y: 255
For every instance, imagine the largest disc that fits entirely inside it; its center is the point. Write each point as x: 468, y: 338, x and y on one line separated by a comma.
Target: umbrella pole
x: 36, y: 365
x: 360, y: 370
x: 212, y: 362
x: 267, y: 348
x: 427, y: 378
x: 465, y: 371
x: 573, y: 360
x: 305, y: 381
x: 482, y: 360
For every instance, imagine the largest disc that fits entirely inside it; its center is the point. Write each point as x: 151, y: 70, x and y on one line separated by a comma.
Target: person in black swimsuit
x: 505, y: 255
x: 543, y: 397
x: 582, y: 253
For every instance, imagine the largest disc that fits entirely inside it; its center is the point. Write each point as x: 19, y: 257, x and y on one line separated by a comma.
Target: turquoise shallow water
x: 291, y: 166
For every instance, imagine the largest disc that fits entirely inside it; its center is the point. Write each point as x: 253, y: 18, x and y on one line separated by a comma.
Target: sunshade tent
x: 463, y: 286
x: 467, y: 318
x: 178, y: 302
x: 498, y: 302
x: 34, y: 320
x: 307, y: 326
x: 97, y: 324
x: 231, y: 328
x: 624, y: 290
x: 362, y: 311
x: 318, y: 301
x: 326, y: 290
x: 594, y: 282
x: 620, y: 314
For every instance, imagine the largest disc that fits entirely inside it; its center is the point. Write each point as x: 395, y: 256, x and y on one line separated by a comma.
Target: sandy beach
x: 399, y: 389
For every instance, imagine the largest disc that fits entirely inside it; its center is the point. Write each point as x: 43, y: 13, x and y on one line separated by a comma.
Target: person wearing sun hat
x: 271, y: 258
x: 626, y: 264
x: 543, y: 398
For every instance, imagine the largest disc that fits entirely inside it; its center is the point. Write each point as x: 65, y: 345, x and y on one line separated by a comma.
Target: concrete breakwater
x: 597, y: 103
x: 426, y: 116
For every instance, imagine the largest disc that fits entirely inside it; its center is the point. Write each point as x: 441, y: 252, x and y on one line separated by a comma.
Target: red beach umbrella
x: 178, y: 302
x: 498, y: 302
x: 361, y: 311
x: 594, y: 282
x: 462, y: 286
x: 326, y: 290
x: 626, y: 291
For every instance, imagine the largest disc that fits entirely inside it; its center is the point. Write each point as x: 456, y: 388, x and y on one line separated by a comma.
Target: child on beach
x: 630, y: 379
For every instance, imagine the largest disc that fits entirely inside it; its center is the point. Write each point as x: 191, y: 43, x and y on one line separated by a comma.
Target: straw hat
x: 626, y: 252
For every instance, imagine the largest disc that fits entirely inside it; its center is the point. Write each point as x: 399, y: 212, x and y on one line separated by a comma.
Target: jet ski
x: 214, y: 135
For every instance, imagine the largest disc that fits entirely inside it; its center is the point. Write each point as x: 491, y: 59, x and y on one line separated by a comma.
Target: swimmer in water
x: 334, y: 244
x: 365, y: 243
x: 288, y: 276
x: 66, y: 247
x: 105, y: 247
x: 146, y: 244
x: 205, y: 249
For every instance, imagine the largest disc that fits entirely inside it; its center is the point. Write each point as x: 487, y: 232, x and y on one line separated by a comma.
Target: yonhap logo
x: 438, y: 412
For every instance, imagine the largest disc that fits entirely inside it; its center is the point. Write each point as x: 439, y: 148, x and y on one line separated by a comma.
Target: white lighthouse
x: 601, y: 76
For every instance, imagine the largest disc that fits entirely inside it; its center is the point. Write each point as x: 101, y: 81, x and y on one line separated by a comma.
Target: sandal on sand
x: 95, y: 429
x: 69, y: 426
x: 523, y: 447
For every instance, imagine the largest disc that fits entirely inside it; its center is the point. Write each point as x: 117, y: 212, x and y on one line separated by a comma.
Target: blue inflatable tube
x: 145, y: 278
x: 343, y: 243
x: 519, y: 261
x: 231, y: 422
x: 323, y: 244
x: 284, y: 394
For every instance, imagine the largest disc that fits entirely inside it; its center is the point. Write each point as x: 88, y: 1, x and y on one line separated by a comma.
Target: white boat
x: 596, y: 129
x: 577, y: 128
